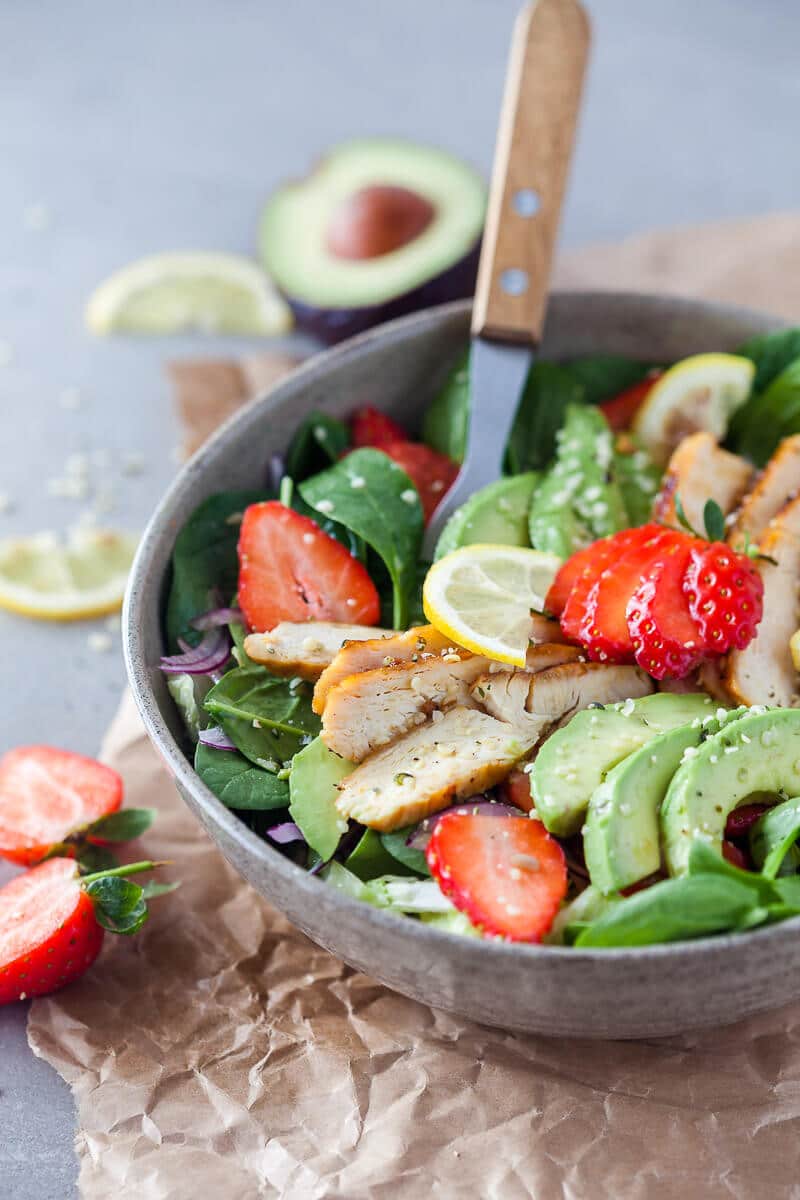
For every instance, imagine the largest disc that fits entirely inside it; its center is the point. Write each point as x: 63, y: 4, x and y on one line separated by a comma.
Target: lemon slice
x: 167, y: 293
x: 698, y: 393
x: 42, y: 577
x: 481, y: 596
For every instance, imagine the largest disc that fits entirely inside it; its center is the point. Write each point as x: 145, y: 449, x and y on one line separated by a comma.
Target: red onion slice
x: 212, y: 652
x: 216, y: 738
x: 285, y: 833
x: 218, y: 616
x: 479, y: 806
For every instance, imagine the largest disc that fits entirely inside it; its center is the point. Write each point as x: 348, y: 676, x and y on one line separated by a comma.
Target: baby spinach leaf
x: 772, y: 353
x: 370, y: 495
x: 773, y: 835
x: 396, y: 844
x: 446, y: 422
x: 768, y: 416
x: 371, y: 858
x: 236, y: 782
x: 204, y: 561
x: 267, y: 718
x: 320, y: 441
x: 604, y: 376
x: 316, y: 771
x: 540, y: 414
x: 705, y: 861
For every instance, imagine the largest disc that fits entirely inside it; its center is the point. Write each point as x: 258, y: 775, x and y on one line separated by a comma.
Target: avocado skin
x: 760, y: 752
x: 498, y: 514
x: 593, y: 742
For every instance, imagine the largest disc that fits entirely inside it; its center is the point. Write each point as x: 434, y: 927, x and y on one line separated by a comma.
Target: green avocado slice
x: 759, y: 753
x: 316, y: 771
x: 497, y: 514
x: 575, y: 759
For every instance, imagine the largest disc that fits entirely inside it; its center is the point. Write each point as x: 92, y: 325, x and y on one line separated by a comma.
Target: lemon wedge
x: 42, y: 577
x: 481, y: 596
x: 698, y: 393
x: 168, y: 293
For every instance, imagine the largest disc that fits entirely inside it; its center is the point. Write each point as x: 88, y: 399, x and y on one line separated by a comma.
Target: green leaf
x: 319, y: 441
x: 772, y: 353
x: 396, y: 844
x: 446, y: 422
x: 714, y: 521
x: 316, y: 771
x: 204, y: 560
x: 451, y: 922
x: 119, y: 904
x: 705, y: 861
x: 371, y: 858
x: 787, y: 889
x: 152, y: 889
x: 237, y: 782
x: 540, y: 414
x: 188, y: 693
x: 383, y: 508
x: 266, y: 717
x: 92, y: 859
x: 683, y: 520
x: 768, y: 417
x: 604, y: 376
x: 122, y: 826
x: 773, y: 835
x: 689, y: 907
x: 396, y: 893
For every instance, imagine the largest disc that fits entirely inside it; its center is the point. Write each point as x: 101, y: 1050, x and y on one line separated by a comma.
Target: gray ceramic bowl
x: 601, y: 994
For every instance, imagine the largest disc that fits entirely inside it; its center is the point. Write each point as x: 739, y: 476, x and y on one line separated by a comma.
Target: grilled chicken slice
x: 538, y: 701
x: 465, y: 750
x: 764, y: 673
x: 370, y: 709
x: 413, y: 646
x: 544, y: 630
x: 777, y: 484
x: 306, y: 647
x: 699, y: 470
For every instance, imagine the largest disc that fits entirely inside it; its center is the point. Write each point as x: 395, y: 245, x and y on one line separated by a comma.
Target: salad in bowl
x: 579, y: 725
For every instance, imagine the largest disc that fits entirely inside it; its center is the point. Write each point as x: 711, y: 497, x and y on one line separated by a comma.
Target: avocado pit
x: 377, y: 220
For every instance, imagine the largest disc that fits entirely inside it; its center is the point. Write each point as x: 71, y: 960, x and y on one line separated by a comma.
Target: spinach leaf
x: 772, y: 353
x: 370, y: 495
x: 768, y: 416
x: 266, y: 717
x: 705, y: 861
x: 370, y: 858
x: 320, y: 441
x: 397, y: 846
x: 773, y: 835
x: 540, y: 415
x: 446, y: 423
x: 689, y: 907
x: 236, y: 782
x: 316, y: 771
x: 604, y: 376
x: 204, y: 561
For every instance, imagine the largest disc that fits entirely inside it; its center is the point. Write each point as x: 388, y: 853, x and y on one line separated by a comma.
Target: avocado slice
x: 381, y: 227
x: 497, y: 514
x: 760, y: 752
x: 316, y: 771
x: 574, y: 760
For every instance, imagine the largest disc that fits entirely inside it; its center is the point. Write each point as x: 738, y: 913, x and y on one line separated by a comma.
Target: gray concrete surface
x: 127, y: 129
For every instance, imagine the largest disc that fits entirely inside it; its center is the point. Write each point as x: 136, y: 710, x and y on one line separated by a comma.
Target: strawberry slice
x: 516, y: 791
x: 604, y: 632
x: 430, y: 472
x: 47, y: 794
x: 290, y: 570
x: 666, y: 641
x: 371, y: 427
x: 592, y: 562
x: 508, y: 876
x: 620, y: 410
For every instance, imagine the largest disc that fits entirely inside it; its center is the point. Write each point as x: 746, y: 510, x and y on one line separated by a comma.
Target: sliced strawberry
x: 430, y: 472
x: 371, y: 427
x: 594, y: 560
x: 509, y: 877
x: 46, y: 794
x: 516, y: 790
x: 48, y: 931
x: 591, y: 560
x: 666, y: 640
x: 725, y: 594
x: 621, y: 409
x: 289, y: 570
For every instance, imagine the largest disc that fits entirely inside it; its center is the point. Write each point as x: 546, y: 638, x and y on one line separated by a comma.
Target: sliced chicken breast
x: 538, y: 701
x: 412, y: 646
x: 777, y: 484
x: 307, y: 647
x: 699, y: 470
x: 764, y: 673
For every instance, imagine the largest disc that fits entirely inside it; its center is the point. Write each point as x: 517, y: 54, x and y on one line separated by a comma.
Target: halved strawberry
x: 289, y: 570
x: 592, y: 562
x: 666, y: 641
x: 620, y: 410
x: 430, y: 472
x: 508, y: 876
x: 516, y: 790
x: 47, y: 794
x: 725, y: 594
x: 371, y: 427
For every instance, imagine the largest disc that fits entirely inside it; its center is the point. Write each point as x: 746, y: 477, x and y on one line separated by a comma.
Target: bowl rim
x: 141, y: 581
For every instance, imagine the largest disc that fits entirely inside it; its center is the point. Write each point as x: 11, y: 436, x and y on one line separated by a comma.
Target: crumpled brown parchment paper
x: 221, y: 1054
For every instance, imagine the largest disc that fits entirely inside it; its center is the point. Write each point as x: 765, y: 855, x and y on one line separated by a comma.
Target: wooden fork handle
x: 534, y: 145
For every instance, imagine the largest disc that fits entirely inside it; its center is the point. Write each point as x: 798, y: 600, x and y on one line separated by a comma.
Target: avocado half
x: 380, y: 228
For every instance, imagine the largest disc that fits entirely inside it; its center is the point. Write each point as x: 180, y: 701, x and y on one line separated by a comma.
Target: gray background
x: 129, y: 129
